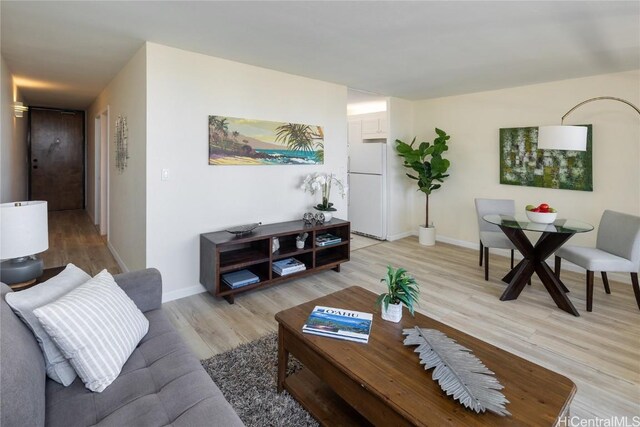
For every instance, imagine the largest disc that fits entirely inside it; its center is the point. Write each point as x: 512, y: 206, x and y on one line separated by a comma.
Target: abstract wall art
x: 521, y: 163
x: 121, y: 139
x: 237, y: 141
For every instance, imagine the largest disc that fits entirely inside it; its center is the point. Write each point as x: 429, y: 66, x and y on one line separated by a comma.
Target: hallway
x: 73, y: 238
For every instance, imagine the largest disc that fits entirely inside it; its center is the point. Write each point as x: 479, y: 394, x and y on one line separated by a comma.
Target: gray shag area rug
x: 247, y: 377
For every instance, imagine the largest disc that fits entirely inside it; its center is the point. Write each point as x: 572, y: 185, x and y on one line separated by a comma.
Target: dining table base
x: 534, y: 262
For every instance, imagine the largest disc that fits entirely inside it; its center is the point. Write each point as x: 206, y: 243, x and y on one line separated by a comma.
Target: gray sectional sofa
x: 161, y: 384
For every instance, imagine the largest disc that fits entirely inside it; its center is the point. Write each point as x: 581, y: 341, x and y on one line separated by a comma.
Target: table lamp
x: 23, y: 234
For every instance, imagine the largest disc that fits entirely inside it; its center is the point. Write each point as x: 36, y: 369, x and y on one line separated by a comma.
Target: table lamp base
x: 18, y: 271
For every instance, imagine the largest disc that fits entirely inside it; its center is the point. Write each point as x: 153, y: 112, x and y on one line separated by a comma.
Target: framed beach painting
x: 521, y: 163
x: 237, y: 141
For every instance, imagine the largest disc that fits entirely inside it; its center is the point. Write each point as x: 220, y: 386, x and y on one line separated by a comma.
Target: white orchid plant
x: 322, y: 183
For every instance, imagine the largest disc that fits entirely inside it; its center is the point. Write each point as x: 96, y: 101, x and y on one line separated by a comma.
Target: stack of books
x: 288, y: 266
x: 240, y: 278
x: 327, y: 239
x: 339, y: 323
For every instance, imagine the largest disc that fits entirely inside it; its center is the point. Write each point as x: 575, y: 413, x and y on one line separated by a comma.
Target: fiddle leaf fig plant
x: 401, y: 288
x: 427, y: 162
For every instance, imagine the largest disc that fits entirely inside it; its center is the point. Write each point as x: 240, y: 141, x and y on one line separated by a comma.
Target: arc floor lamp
x: 564, y: 137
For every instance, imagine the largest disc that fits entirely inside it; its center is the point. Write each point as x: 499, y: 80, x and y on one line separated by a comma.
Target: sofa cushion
x: 24, y: 302
x: 97, y: 327
x: 162, y: 383
x: 22, y: 374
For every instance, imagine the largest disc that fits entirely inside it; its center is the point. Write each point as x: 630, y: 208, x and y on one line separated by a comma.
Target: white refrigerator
x: 367, y: 186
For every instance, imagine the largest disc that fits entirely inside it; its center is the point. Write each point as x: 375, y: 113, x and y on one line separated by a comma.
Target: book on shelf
x: 288, y: 266
x: 240, y: 278
x: 327, y: 239
x: 287, y: 272
x: 339, y: 323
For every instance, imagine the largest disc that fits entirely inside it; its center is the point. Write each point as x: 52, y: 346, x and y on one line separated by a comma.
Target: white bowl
x: 542, y: 217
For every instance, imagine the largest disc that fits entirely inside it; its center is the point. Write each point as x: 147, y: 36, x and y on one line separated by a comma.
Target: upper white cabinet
x: 375, y: 126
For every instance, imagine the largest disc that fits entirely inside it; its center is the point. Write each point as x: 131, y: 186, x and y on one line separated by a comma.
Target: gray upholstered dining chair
x: 617, y: 250
x: 490, y: 235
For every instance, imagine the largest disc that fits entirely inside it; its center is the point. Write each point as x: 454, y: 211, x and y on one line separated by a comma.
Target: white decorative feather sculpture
x: 458, y: 372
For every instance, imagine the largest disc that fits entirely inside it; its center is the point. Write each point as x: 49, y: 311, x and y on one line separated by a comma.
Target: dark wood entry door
x: 57, y: 158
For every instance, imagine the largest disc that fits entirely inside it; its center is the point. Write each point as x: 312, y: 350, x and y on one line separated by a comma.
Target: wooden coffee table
x: 382, y: 382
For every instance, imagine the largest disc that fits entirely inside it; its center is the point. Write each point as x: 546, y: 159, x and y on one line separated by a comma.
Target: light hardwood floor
x: 359, y: 242
x: 599, y: 351
x: 73, y: 238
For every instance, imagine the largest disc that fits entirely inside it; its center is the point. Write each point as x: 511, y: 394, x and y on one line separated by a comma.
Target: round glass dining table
x: 552, y: 237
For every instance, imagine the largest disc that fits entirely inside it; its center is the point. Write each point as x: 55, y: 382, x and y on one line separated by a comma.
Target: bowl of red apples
x: 541, y: 214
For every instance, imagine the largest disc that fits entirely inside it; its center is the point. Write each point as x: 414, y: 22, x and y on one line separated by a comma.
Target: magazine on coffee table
x: 339, y: 323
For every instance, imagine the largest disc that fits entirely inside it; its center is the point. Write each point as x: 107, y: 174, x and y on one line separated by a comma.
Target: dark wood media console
x: 222, y: 252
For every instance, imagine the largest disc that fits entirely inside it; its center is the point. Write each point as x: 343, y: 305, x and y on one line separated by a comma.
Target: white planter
x: 393, y: 313
x: 427, y: 235
x: 327, y: 215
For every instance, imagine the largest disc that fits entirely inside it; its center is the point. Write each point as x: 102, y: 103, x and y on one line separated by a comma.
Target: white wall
x: 126, y: 95
x: 474, y: 120
x: 401, y: 190
x: 13, y: 140
x: 184, y: 88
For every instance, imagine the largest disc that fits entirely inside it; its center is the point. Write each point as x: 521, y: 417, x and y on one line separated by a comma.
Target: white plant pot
x: 427, y: 235
x: 393, y: 313
x: 327, y: 215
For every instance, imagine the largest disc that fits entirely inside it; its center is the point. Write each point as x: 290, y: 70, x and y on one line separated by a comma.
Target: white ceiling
x: 65, y: 53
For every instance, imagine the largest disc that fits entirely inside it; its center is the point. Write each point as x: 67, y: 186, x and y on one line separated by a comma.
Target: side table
x: 47, y: 274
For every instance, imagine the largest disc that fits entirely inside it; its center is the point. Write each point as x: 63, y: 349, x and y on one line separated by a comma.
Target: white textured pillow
x: 97, y: 327
x: 24, y: 302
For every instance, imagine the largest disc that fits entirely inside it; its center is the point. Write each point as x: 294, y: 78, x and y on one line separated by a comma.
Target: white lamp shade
x: 23, y: 229
x: 562, y: 138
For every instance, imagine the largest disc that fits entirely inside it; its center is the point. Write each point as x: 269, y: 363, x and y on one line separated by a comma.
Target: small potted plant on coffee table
x: 401, y: 289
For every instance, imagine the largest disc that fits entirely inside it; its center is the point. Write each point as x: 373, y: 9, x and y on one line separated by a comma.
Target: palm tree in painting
x: 320, y: 145
x: 214, y: 138
x: 218, y: 130
x: 223, y: 127
x: 299, y: 137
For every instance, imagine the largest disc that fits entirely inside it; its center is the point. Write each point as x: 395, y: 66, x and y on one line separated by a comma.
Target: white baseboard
x: 399, y: 236
x: 115, y: 254
x: 457, y: 242
x: 566, y: 265
x: 182, y: 293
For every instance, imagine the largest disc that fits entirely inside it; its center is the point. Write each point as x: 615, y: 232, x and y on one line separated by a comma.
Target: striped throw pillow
x: 24, y: 302
x: 97, y: 327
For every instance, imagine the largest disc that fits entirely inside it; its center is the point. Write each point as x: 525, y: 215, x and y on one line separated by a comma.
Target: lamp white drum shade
x: 562, y: 138
x: 23, y: 229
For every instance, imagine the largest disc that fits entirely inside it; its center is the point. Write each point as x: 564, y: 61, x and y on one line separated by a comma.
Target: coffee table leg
x: 283, y: 359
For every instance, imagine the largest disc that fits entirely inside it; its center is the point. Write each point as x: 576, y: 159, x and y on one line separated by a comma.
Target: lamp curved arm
x: 612, y: 98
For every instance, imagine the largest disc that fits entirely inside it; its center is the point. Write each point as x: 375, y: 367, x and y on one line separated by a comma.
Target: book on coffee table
x: 339, y: 323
